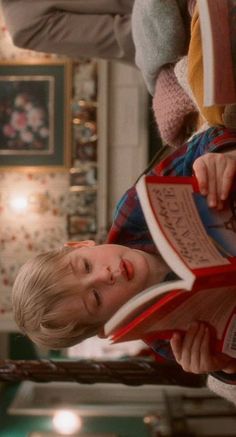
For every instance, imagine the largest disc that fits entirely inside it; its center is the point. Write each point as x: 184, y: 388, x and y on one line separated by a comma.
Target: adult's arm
x: 75, y: 28
x: 161, y: 35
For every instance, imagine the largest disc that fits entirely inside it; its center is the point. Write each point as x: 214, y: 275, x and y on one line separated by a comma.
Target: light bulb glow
x: 66, y: 422
x: 19, y: 203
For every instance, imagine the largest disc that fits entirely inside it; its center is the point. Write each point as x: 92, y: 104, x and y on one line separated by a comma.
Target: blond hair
x: 37, y: 298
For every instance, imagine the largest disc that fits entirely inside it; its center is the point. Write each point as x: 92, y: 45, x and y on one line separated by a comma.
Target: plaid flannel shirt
x: 129, y: 227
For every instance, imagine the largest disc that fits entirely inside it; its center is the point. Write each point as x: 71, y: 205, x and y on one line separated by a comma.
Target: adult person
x: 75, y: 28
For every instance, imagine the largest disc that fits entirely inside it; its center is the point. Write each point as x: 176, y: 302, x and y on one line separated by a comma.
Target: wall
x: 125, y: 132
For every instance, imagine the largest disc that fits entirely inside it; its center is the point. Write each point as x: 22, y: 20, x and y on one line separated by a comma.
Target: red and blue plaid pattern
x: 129, y: 227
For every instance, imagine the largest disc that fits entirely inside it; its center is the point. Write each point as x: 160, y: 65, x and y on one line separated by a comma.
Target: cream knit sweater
x: 222, y: 389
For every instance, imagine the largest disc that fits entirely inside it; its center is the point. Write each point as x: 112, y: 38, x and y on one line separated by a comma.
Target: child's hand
x: 193, y: 352
x: 215, y: 173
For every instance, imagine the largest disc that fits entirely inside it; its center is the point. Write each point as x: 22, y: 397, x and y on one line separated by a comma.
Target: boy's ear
x: 87, y: 243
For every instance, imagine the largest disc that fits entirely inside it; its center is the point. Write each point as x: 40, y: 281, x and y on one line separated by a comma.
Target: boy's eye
x: 97, y: 297
x: 87, y: 266
x: 93, y: 301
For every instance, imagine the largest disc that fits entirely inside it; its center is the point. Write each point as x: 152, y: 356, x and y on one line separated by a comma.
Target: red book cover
x: 218, y: 33
x: 197, y: 242
x: 176, y: 310
x: 199, y: 245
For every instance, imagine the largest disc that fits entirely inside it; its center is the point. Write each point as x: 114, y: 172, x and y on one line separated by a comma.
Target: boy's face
x: 107, y: 276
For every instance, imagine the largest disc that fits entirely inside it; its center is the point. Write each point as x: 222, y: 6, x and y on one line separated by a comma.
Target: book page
x: 215, y: 307
x: 139, y: 303
x: 175, y: 209
x: 212, y: 306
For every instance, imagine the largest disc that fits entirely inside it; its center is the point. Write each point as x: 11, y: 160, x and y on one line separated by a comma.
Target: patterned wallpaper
x: 24, y: 234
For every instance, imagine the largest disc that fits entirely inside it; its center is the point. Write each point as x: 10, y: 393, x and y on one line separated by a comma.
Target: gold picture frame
x: 35, y: 115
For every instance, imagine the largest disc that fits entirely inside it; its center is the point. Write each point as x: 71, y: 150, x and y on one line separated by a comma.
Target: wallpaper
x: 43, y: 225
x: 24, y: 234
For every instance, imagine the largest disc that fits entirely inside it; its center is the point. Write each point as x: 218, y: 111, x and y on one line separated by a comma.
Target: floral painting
x: 26, y: 115
x: 35, y: 114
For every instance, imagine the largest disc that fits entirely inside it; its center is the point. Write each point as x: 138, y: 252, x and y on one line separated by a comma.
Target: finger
x: 228, y: 177
x: 187, y: 346
x: 205, y: 355
x: 200, y: 171
x: 176, y: 346
x: 220, y: 165
x: 219, y: 181
x: 212, y: 184
x: 196, y: 351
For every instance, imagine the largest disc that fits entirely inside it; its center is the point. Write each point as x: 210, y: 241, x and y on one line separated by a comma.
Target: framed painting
x: 35, y: 116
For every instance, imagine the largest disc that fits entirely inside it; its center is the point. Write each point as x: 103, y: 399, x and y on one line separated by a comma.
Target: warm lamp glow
x: 66, y: 422
x: 19, y: 203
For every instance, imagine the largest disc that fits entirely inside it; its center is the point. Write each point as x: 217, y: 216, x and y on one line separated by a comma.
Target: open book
x: 218, y: 31
x: 199, y: 245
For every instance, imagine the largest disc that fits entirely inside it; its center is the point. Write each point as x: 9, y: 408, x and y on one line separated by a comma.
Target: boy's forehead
x: 97, y: 252
x: 65, y: 264
x: 80, y: 252
x: 69, y: 261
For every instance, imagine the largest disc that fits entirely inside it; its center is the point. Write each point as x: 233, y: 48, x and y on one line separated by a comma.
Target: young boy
x: 65, y: 296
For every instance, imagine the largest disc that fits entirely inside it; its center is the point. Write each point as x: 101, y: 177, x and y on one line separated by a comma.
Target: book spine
x: 219, y: 81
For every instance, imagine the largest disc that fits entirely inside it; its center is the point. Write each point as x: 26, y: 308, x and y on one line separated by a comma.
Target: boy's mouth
x: 127, y: 269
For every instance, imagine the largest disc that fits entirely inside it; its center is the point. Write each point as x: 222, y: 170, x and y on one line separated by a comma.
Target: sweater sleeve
x: 66, y: 28
x: 161, y: 35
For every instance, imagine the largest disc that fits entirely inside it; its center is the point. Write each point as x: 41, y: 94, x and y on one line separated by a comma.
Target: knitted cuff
x: 222, y: 389
x: 174, y: 111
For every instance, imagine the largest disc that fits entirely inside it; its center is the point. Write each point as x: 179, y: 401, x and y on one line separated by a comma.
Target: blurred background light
x: 18, y: 203
x: 67, y: 422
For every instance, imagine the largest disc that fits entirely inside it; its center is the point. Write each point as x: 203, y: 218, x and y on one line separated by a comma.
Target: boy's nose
x: 105, y: 275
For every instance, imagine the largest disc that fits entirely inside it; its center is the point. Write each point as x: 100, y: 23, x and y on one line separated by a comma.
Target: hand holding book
x: 215, y: 174
x: 193, y: 352
x: 199, y: 245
